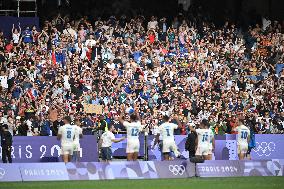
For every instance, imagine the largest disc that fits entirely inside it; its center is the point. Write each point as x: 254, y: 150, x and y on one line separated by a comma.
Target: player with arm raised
x: 167, y: 133
x: 66, y: 134
x: 243, y: 139
x: 203, y: 140
x: 133, y: 128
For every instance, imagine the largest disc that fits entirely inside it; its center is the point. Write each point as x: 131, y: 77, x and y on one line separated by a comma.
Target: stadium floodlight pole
x: 18, y: 8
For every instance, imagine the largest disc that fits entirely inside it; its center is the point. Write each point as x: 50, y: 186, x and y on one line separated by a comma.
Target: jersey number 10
x: 244, y: 134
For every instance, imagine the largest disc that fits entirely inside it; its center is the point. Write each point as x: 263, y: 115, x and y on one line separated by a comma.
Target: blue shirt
x: 27, y: 36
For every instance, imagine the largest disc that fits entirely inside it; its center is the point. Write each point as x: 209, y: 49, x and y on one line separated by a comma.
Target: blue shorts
x: 106, y: 153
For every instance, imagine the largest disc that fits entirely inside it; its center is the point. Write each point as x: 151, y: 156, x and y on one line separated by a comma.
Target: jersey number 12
x: 134, y: 132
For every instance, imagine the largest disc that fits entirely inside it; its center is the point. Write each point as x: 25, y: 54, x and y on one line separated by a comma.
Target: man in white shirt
x: 152, y: 24
x: 69, y: 31
x: 203, y: 139
x: 91, y: 41
x: 243, y: 139
x: 133, y: 128
x: 167, y: 133
x: 106, y: 141
x: 78, y: 136
x: 66, y: 134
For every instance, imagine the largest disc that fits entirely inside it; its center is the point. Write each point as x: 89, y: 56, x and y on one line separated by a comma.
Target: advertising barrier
x: 268, y: 146
x: 228, y: 168
x: 43, y: 171
x: 138, y: 170
x: 130, y: 170
x: 96, y: 170
x: 10, y: 172
x: 47, y: 148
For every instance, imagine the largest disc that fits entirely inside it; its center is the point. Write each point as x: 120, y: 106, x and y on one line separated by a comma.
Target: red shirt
x: 152, y: 38
x: 9, y: 47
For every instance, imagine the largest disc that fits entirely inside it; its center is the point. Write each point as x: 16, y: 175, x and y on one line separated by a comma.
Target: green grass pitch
x: 194, y: 183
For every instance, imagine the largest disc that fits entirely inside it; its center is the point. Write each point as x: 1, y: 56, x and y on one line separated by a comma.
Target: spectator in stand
x: 191, y: 68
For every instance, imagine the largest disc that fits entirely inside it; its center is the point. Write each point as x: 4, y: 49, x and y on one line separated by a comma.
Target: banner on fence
x: 43, y: 171
x: 228, y: 168
x: 46, y: 148
x: 138, y: 170
x: 268, y: 146
x: 130, y: 170
x: 10, y: 172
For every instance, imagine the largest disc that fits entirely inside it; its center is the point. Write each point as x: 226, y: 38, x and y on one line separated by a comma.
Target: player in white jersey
x: 203, y: 140
x: 167, y: 133
x: 133, y: 128
x: 211, y: 143
x: 78, y: 136
x: 66, y: 134
x: 243, y: 139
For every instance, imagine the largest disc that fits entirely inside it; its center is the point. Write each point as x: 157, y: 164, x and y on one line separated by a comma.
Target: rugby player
x: 166, y: 130
x: 243, y: 139
x: 133, y: 128
x: 203, y: 140
x: 66, y: 134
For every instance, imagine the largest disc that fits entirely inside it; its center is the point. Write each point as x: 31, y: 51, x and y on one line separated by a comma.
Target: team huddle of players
x: 205, y: 144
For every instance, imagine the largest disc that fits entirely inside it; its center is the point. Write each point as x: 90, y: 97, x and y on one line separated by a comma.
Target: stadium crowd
x: 186, y: 66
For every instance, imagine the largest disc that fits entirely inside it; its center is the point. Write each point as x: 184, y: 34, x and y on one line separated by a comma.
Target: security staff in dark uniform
x: 190, y: 144
x: 6, y: 144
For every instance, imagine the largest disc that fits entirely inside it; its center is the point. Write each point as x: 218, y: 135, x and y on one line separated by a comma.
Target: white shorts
x: 170, y: 146
x: 132, y: 146
x: 76, y: 146
x: 242, y: 148
x: 202, y: 150
x: 210, y: 150
x: 67, y: 149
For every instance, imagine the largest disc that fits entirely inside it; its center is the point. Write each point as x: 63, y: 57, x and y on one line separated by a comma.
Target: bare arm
x: 120, y: 119
x: 59, y: 136
x: 13, y: 29
x: 178, y: 122
x: 20, y: 29
x: 118, y: 140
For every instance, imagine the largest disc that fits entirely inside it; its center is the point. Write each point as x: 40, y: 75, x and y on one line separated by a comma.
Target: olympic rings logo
x: 264, y: 148
x: 177, y: 169
x: 2, y: 173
